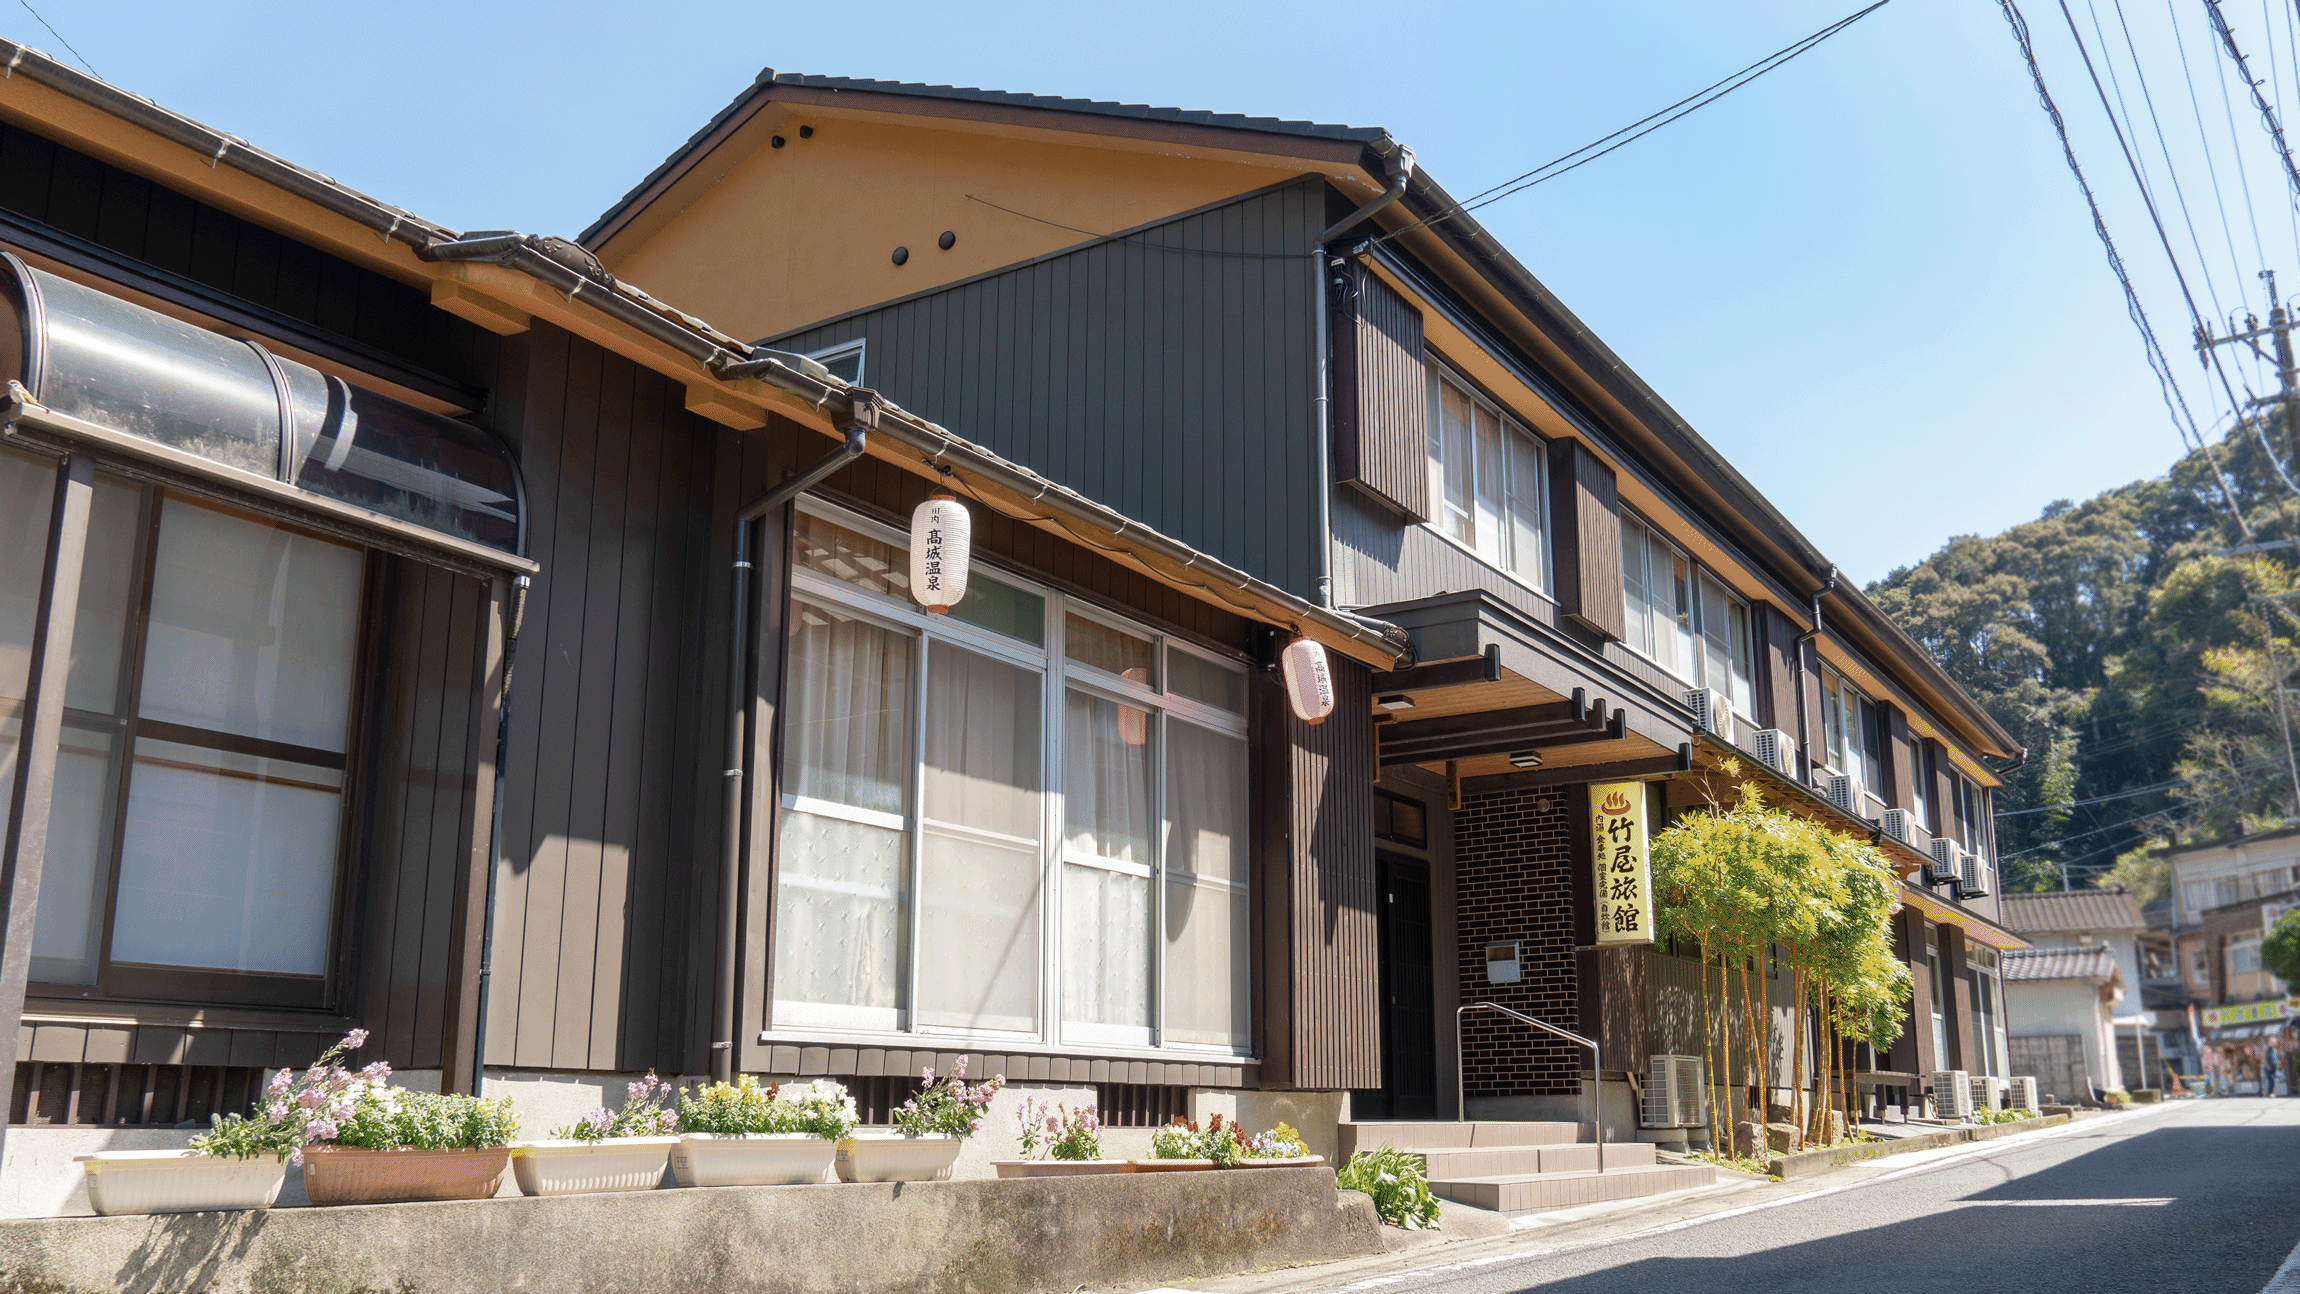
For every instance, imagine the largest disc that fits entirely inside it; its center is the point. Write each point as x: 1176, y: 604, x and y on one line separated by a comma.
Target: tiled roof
x: 2071, y: 911
x: 1054, y: 103
x: 2095, y: 964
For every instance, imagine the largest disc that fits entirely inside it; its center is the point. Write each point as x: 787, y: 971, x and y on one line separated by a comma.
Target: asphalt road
x: 2190, y: 1196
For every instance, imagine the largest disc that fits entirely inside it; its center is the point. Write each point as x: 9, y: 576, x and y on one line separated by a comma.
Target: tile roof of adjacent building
x: 2071, y: 911
x: 2097, y: 965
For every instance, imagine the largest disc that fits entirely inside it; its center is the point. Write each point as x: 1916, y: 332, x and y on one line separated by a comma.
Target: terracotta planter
x: 893, y: 1157
x: 179, y: 1181
x: 580, y: 1167
x: 751, y: 1159
x: 1297, y: 1161
x: 347, y: 1175
x: 1056, y: 1167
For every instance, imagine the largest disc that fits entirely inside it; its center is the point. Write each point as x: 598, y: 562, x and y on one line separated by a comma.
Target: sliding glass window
x: 1685, y: 619
x: 194, y: 836
x: 1488, y: 481
x: 1026, y: 819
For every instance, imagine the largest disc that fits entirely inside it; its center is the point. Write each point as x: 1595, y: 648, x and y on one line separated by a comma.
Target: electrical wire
x: 2250, y: 784
x: 60, y: 38
x: 2127, y: 794
x: 1637, y: 129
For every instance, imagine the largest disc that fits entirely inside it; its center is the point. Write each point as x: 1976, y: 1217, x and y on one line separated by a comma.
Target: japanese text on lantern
x: 1624, y: 889
x: 933, y: 561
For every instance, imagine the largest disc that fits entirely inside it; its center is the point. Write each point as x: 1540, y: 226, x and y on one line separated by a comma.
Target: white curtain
x: 1107, y: 914
x: 1207, y: 974
x: 979, y: 875
x: 843, y: 903
x: 67, y: 931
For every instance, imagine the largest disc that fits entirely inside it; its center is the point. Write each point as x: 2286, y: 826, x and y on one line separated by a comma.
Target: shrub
x: 643, y: 1116
x: 1395, y: 1180
x: 818, y: 1109
x: 949, y: 1108
x: 393, y: 1118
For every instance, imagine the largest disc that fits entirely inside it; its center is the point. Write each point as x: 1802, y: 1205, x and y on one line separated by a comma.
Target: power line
x: 1638, y: 129
x: 60, y: 39
x: 2126, y: 795
x: 2248, y: 785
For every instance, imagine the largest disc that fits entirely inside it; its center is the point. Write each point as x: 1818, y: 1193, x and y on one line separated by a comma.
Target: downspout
x: 1828, y: 586
x: 518, y: 617
x: 1400, y: 165
x: 861, y: 415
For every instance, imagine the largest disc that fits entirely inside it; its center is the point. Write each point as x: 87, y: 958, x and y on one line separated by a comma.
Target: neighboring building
x: 1224, y: 326
x: 2226, y: 895
x: 2062, y: 995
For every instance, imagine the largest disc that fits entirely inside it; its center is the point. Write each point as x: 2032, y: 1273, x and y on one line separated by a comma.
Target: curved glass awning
x: 94, y: 357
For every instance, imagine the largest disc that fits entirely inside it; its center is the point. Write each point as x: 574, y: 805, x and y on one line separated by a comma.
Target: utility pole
x: 2279, y: 332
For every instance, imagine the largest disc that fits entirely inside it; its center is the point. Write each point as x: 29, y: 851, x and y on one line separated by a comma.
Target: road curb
x: 1811, y: 1163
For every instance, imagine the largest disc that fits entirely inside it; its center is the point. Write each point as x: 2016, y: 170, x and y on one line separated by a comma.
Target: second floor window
x: 1852, y: 728
x: 2244, y: 958
x: 1487, y: 480
x: 1684, y: 618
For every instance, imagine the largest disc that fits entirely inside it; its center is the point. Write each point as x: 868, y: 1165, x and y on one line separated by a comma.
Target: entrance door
x: 1409, y: 1011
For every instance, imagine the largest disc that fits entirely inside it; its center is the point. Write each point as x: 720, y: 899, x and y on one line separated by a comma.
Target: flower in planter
x: 949, y: 1108
x: 642, y: 1116
x: 818, y: 1109
x: 1281, y: 1142
x: 1063, y: 1134
x: 295, y: 1112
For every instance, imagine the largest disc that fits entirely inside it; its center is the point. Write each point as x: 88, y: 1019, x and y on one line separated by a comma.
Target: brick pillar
x: 1513, y: 881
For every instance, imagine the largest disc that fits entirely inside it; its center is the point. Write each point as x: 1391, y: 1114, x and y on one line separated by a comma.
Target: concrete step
x: 1516, y: 1194
x: 1498, y: 1161
x: 1438, y: 1136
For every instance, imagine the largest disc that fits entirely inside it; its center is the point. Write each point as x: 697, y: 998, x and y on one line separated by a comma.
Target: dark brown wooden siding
x: 1320, y: 1019
x: 427, y: 806
x: 605, y: 907
x: 72, y: 198
x: 1167, y: 374
x: 1381, y: 397
x: 1586, y: 527
x: 1777, y: 661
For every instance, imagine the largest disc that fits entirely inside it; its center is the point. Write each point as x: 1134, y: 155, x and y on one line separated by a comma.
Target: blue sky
x: 1867, y: 278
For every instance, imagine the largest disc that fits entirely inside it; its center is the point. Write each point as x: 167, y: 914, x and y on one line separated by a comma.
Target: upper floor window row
x: 1488, y: 480
x: 1853, y: 731
x: 1685, y: 619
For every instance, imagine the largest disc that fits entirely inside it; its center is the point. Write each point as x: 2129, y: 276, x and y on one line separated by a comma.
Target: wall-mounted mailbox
x: 1501, y: 963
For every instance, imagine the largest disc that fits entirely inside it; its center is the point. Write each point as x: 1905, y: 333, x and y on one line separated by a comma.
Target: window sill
x: 1006, y: 1044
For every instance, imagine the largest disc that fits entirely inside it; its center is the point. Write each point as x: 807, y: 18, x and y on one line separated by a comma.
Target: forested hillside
x: 2136, y: 656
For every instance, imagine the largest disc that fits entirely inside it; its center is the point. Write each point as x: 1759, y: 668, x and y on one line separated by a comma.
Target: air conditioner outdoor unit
x: 1972, y: 878
x: 1711, y: 712
x: 1944, y: 864
x: 1847, y: 793
x: 1776, y: 748
x: 1675, y: 1096
x: 1952, y: 1094
x: 2020, y: 1094
x: 1900, y: 824
x: 1988, y: 1092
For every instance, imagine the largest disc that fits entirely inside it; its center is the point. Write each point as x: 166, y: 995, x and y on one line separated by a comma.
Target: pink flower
x: 927, y: 1075
x: 1053, y: 1124
x: 297, y: 1157
x: 960, y: 1071
x: 281, y: 1080
x: 376, y: 1072
x: 637, y: 1091
x: 356, y: 1039
x: 311, y: 1098
x: 323, y: 1130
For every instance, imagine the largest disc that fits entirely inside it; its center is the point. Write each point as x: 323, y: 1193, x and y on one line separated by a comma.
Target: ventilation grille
x: 1776, y: 748
x: 131, y: 1096
x: 1674, y: 1097
x: 1952, y: 1094
x: 1140, y: 1105
x: 877, y: 1096
x: 2020, y: 1094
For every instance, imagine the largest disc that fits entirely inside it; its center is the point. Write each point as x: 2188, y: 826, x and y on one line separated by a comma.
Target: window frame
x: 1542, y: 580
x: 1057, y: 675
x: 1695, y: 638
x: 829, y: 355
x: 140, y: 982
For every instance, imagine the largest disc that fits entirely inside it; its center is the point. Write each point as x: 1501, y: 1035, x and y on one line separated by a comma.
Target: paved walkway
x: 2188, y: 1196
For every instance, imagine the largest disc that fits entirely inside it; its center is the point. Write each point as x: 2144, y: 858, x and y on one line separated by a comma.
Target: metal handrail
x: 1590, y: 1087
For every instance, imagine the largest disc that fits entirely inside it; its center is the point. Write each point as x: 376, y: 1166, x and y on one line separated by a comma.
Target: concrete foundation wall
x: 1114, y: 1232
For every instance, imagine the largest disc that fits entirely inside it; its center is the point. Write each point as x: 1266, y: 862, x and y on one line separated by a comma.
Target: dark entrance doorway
x: 1409, y: 1007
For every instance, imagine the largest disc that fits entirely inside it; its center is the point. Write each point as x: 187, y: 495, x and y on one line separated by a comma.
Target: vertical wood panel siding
x: 424, y: 801
x: 1586, y: 523
x: 1381, y: 397
x: 1319, y: 996
x: 1166, y: 374
x: 1779, y: 689
x: 69, y: 193
x: 602, y: 827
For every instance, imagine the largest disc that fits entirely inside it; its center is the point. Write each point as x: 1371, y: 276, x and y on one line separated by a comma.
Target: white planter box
x: 893, y: 1157
x: 179, y: 1181
x: 578, y: 1167
x: 754, y: 1159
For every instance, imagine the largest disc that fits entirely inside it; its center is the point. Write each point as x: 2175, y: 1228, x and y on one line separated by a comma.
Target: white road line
x: 2287, y: 1278
x: 1945, y: 1157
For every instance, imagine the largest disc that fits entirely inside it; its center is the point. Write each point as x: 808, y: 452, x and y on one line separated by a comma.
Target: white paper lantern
x: 1309, y: 680
x: 940, y: 544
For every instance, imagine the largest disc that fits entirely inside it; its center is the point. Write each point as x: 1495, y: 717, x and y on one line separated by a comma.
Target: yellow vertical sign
x: 1624, y: 866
